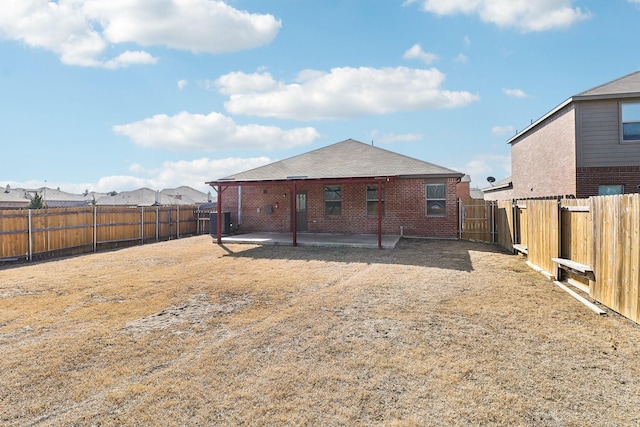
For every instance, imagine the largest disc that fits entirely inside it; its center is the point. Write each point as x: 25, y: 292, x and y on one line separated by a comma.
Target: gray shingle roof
x: 626, y: 85
x: 346, y: 159
x: 143, y: 197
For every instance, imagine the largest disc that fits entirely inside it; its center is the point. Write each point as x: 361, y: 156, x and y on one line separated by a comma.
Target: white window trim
x: 622, y: 122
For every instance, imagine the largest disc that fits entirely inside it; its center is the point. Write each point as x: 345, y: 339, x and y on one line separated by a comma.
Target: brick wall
x: 590, y: 178
x: 405, y: 205
x: 463, y: 189
x: 543, y: 162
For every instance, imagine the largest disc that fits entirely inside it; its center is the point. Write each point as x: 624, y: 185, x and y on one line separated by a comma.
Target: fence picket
x: 45, y: 233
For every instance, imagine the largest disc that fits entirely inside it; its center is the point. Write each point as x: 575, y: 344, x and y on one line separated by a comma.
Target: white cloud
x: 193, y: 173
x: 196, y: 25
x: 80, y: 30
x: 502, y: 130
x: 390, y: 138
x: 182, y: 84
x: 484, y: 165
x: 211, y: 132
x: 462, y: 58
x: 416, y: 52
x: 340, y: 93
x: 239, y: 82
x: 521, y: 14
x: 467, y: 42
x: 130, y: 58
x: 515, y: 93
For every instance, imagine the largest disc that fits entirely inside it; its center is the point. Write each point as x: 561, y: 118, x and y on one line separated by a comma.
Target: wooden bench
x: 575, y: 268
x: 520, y: 248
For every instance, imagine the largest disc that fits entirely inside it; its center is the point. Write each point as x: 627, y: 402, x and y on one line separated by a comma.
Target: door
x: 301, y: 212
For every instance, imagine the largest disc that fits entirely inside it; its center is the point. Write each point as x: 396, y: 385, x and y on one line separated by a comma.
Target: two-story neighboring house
x: 589, y: 145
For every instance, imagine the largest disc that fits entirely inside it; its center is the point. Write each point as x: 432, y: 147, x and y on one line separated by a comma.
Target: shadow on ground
x: 444, y: 254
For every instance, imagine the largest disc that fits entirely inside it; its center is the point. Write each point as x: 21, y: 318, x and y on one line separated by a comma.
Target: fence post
x: 157, y: 224
x: 492, y: 211
x: 30, y: 239
x: 178, y: 219
x: 142, y: 225
x: 514, y: 225
x: 557, y: 273
x: 95, y: 229
x: 459, y: 218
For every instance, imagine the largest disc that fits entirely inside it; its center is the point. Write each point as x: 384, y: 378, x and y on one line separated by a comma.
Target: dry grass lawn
x: 189, y: 333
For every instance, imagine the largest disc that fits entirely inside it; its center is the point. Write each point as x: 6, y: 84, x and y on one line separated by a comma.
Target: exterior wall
x: 463, y: 189
x: 543, y: 162
x: 405, y: 205
x: 590, y: 178
x: 506, y: 194
x: 598, y: 136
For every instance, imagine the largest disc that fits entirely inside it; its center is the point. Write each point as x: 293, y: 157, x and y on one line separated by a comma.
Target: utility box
x: 226, y: 223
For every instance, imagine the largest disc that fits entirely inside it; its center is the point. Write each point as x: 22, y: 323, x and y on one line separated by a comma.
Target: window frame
x: 332, y: 204
x: 619, y: 187
x: 435, y: 200
x: 634, y: 120
x: 373, y: 201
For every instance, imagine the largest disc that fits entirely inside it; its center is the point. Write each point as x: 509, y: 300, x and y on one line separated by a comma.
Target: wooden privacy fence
x: 477, y: 220
x: 594, y: 242
x: 44, y: 233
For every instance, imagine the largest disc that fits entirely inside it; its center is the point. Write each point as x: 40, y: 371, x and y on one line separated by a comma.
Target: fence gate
x: 477, y: 220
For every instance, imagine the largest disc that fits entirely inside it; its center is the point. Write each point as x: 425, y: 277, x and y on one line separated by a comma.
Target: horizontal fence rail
x: 31, y: 234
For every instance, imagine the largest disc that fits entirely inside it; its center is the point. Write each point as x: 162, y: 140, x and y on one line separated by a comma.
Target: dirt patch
x: 196, y: 312
x: 189, y: 333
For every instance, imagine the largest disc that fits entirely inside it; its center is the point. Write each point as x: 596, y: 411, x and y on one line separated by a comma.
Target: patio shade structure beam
x: 293, y: 183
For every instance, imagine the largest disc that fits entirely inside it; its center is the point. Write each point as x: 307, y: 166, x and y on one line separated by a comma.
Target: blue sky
x: 122, y: 94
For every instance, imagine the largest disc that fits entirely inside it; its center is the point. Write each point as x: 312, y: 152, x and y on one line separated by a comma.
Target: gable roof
x: 624, y: 87
x: 187, y: 192
x: 503, y: 184
x: 346, y: 159
x: 143, y: 197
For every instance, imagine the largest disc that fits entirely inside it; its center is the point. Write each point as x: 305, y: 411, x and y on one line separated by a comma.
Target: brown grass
x: 189, y: 333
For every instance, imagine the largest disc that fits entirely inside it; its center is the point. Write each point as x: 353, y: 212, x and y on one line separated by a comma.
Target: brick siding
x: 405, y: 205
x: 543, y: 162
x: 590, y: 178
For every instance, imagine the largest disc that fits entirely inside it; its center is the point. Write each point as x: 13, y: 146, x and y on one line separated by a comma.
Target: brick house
x: 586, y: 146
x: 347, y: 188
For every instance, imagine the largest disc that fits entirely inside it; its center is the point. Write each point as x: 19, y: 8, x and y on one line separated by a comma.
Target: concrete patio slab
x: 315, y: 239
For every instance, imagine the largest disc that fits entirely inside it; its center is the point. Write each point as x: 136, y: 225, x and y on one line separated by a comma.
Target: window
x: 630, y: 121
x: 372, y: 200
x: 436, y: 199
x: 332, y: 200
x: 607, y: 190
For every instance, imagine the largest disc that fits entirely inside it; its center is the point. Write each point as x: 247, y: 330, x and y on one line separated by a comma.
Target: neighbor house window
x: 607, y: 190
x: 372, y: 200
x: 436, y: 199
x: 332, y: 200
x: 630, y: 121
